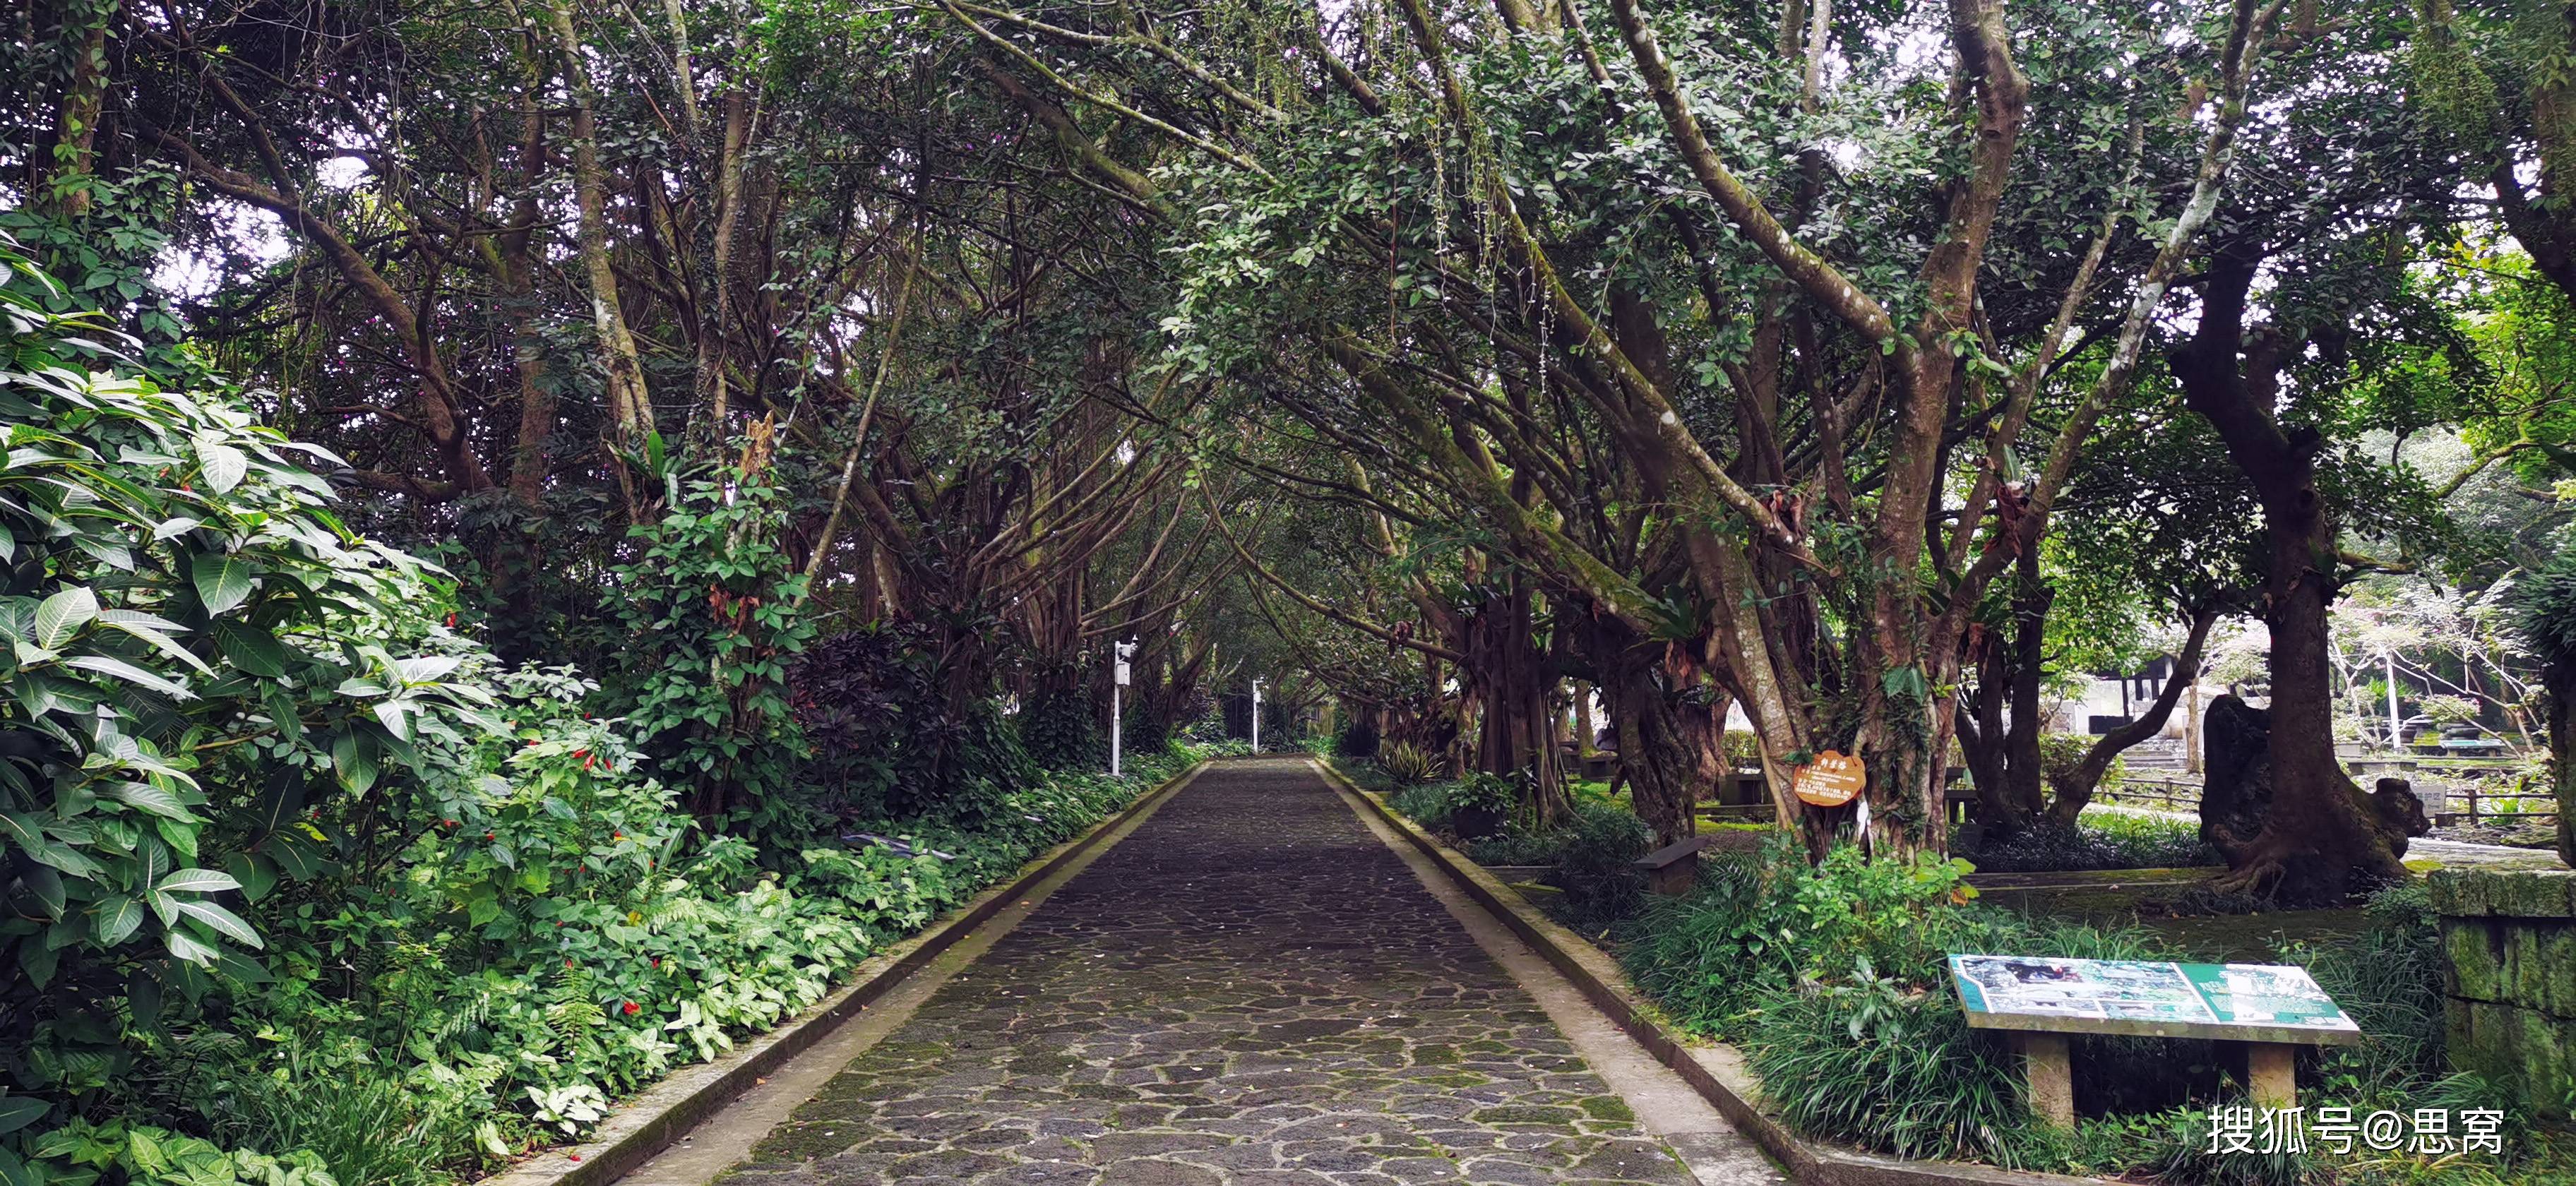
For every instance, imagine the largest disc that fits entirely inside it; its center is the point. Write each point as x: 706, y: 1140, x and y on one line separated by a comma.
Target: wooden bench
x: 2271, y: 1009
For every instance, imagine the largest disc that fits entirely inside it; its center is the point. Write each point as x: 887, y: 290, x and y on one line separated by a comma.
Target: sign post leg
x: 2050, y: 1075
x: 2271, y: 1074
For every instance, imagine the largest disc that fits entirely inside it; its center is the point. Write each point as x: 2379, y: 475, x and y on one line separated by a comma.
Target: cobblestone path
x: 1250, y: 990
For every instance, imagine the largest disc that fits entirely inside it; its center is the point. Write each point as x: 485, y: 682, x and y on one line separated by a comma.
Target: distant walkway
x: 1250, y: 990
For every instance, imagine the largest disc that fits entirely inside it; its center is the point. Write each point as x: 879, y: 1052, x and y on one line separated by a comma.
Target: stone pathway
x: 1250, y: 990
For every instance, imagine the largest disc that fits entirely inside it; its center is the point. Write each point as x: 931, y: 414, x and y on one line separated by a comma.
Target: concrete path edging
x: 1715, y: 1070
x: 689, y: 1096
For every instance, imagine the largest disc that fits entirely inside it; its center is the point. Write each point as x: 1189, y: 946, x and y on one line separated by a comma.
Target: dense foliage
x: 295, y: 867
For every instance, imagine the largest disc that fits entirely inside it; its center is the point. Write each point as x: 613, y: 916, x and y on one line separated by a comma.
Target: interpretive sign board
x: 2149, y: 998
x: 1831, y: 780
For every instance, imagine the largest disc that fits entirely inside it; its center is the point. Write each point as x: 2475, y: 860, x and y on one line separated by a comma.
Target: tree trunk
x: 2319, y: 840
x: 1662, y: 764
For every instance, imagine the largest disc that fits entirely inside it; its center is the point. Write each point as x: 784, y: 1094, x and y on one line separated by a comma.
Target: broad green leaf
x: 224, y: 465
x: 250, y: 648
x: 173, y: 527
x: 111, y: 665
x: 47, y: 884
x: 223, y: 580
x: 18, y: 1111
x: 63, y: 614
x: 190, y: 948
x: 223, y: 922
x: 118, y: 918
x: 158, y: 640
x: 143, y: 796
x: 255, y: 873
x: 203, y: 881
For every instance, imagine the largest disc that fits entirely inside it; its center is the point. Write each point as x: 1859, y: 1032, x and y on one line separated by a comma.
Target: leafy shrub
x: 1597, y: 866
x: 2100, y: 840
x: 1060, y: 725
x: 1481, y: 791
x: 1407, y: 764
x: 1743, y: 749
x: 713, y: 607
x: 1424, y: 803
x: 165, y: 556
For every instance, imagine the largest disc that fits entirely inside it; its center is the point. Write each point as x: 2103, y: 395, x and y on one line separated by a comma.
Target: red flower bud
x: 632, y: 1008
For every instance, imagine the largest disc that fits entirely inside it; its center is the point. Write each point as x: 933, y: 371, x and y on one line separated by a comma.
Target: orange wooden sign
x: 1831, y: 780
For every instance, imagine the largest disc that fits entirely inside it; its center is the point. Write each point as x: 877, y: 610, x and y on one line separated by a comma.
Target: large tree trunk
x: 2319, y: 839
x: 1662, y: 764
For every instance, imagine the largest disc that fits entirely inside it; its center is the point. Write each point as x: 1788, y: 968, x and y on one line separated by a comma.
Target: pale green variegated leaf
x: 224, y: 465
x: 144, y: 796
x: 201, y: 881
x: 159, y: 641
x: 190, y: 948
x: 110, y: 665
x: 221, y: 921
x: 62, y: 615
x: 118, y: 918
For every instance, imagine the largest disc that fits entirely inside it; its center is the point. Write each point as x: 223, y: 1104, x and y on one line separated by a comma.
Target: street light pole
x: 1119, y: 653
x: 1256, y: 714
x: 2395, y: 740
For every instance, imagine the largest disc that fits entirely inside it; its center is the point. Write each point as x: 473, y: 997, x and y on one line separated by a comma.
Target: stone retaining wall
x: 2510, y: 990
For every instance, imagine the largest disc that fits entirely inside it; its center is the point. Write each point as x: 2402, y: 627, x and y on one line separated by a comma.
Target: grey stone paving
x: 1250, y: 990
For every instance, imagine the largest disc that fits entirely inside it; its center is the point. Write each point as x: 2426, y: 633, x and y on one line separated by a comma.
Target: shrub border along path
x: 1715, y: 1070
x: 667, y: 1111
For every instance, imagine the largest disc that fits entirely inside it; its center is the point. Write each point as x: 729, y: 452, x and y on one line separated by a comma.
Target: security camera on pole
x: 1256, y: 714
x: 1119, y: 654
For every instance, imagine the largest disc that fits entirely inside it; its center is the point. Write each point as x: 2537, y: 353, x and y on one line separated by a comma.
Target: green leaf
x: 110, y: 665
x: 223, y: 922
x: 153, y: 635
x: 62, y: 615
x: 143, y: 796
x: 47, y: 884
x: 353, y: 757
x: 256, y: 874
x: 250, y: 648
x: 18, y: 1111
x: 223, y: 580
x: 296, y: 856
x: 117, y: 919
x: 190, y: 948
x: 203, y: 881
x: 224, y: 465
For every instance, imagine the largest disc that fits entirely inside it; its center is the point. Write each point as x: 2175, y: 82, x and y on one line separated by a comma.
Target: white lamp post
x: 1256, y: 714
x: 1119, y: 653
